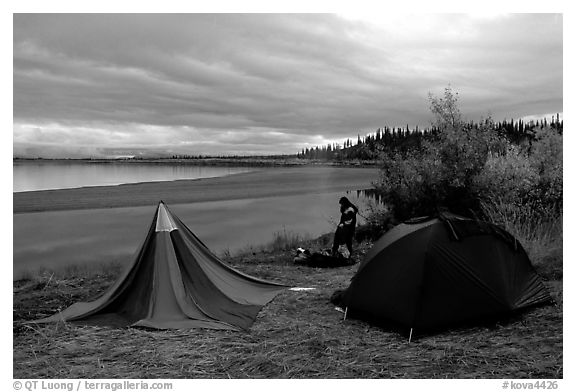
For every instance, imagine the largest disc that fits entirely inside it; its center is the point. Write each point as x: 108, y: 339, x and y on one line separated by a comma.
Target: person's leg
x: 337, y: 240
x: 349, y: 244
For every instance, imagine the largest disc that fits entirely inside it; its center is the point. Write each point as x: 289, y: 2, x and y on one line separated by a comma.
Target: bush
x: 466, y: 165
x: 546, y: 158
x: 411, y: 184
x: 379, y: 219
x: 507, y: 176
x: 531, y: 177
x: 442, y: 172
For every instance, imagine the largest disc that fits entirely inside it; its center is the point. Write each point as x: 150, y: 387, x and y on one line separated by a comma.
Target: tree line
x: 386, y: 140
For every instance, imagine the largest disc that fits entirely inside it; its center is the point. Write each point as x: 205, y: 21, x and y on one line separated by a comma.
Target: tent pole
x: 345, y: 312
x: 410, y: 337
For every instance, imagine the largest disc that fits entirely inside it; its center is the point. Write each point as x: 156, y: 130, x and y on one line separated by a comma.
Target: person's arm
x: 348, y: 217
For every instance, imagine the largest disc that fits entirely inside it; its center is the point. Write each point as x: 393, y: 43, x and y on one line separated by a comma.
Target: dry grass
x: 539, y: 230
x: 297, y: 335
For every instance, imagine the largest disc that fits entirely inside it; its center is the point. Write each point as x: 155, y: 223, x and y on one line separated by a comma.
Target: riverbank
x: 250, y: 161
x: 282, y: 181
x: 298, y: 335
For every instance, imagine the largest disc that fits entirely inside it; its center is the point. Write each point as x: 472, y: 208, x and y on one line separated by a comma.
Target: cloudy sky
x: 105, y: 85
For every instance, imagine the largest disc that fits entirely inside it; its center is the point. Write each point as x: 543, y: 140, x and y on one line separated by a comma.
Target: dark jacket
x: 348, y: 219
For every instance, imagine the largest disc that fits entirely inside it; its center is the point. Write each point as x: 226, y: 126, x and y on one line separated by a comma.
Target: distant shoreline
x: 282, y: 181
x: 255, y: 161
x: 247, y: 161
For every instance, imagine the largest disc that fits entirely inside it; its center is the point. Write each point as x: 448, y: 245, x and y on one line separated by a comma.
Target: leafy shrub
x: 546, y: 158
x: 442, y: 172
x: 466, y: 165
x: 379, y: 219
x: 411, y: 184
x: 507, y: 176
x: 525, y: 177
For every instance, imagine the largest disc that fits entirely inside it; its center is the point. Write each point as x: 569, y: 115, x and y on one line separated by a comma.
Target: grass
x: 297, y: 335
x: 84, y: 271
x: 283, y: 240
x: 539, y: 231
x: 287, y: 240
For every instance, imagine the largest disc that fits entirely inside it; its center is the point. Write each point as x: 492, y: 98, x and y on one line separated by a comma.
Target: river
x: 56, y: 238
x: 39, y: 175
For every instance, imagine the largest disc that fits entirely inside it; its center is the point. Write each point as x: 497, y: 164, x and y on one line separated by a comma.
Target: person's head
x: 345, y: 203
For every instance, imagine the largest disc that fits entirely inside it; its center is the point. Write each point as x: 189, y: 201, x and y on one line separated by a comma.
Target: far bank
x: 282, y: 181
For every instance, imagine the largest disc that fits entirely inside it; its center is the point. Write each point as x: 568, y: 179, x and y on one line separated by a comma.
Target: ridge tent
x: 431, y: 273
x: 175, y: 281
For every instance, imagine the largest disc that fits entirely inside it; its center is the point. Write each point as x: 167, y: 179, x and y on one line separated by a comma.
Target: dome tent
x: 431, y: 273
x: 175, y: 281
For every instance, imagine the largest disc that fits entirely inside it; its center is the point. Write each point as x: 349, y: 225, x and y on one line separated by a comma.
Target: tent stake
x: 410, y: 337
x: 345, y: 312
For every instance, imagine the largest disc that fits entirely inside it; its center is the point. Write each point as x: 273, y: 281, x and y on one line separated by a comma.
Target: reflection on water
x: 57, y: 238
x: 43, y: 175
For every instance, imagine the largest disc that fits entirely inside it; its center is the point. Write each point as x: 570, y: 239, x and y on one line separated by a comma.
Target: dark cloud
x: 257, y: 83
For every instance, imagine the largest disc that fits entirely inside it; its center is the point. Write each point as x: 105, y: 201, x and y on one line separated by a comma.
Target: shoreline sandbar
x: 248, y: 185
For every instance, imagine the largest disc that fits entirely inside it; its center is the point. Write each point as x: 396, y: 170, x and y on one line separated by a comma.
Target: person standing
x: 346, y: 227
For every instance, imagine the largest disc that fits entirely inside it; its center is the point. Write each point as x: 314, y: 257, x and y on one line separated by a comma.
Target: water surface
x: 58, y: 238
x: 223, y: 221
x: 44, y: 175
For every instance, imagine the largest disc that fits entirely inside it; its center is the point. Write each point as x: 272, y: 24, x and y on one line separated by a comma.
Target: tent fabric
x: 175, y: 282
x: 442, y: 271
